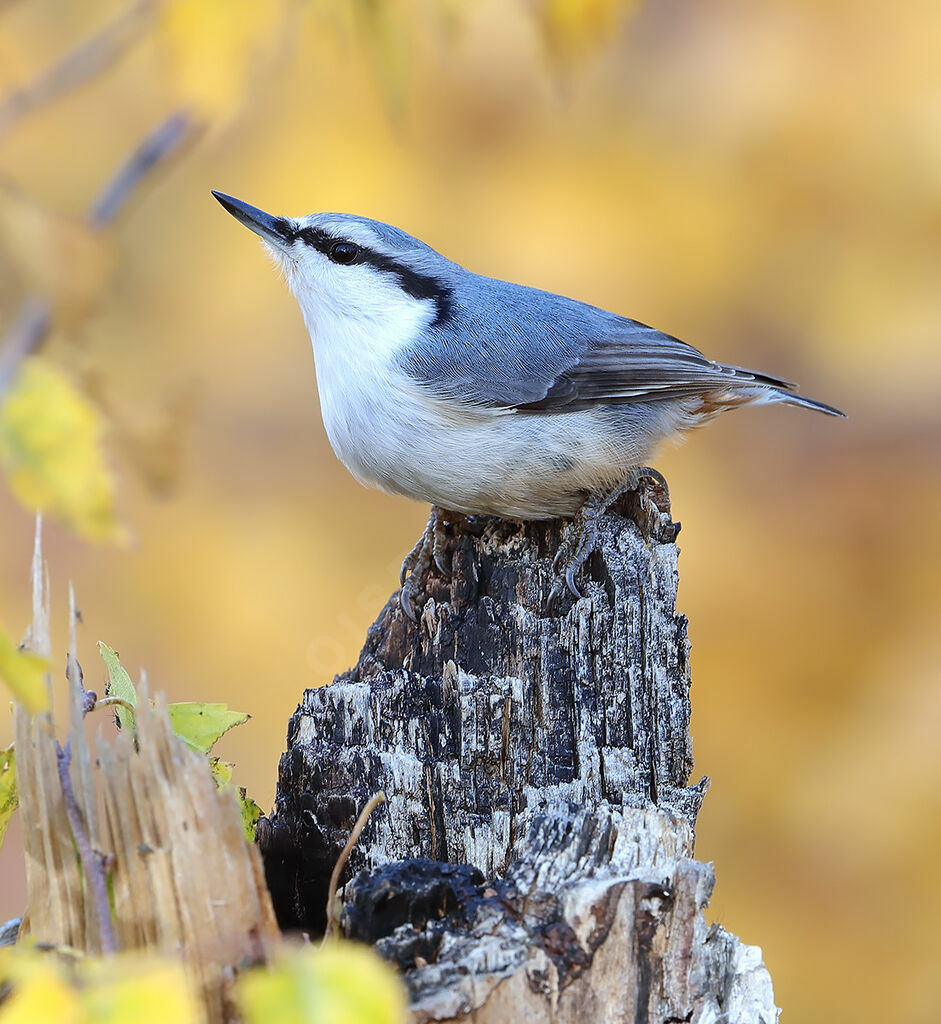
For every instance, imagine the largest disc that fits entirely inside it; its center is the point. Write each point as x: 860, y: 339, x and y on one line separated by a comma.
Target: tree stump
x: 535, y: 853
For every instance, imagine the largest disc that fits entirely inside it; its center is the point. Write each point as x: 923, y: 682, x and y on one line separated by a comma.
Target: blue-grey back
x: 495, y: 344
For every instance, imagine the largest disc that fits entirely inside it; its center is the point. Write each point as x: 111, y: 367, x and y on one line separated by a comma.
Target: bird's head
x: 346, y: 270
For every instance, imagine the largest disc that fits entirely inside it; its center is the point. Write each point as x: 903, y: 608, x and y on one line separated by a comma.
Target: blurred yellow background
x: 762, y: 180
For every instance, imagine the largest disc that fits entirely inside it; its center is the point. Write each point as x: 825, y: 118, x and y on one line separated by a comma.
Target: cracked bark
x: 535, y: 855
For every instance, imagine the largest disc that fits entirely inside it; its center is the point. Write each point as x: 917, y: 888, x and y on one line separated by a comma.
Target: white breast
x: 391, y: 432
x: 363, y: 397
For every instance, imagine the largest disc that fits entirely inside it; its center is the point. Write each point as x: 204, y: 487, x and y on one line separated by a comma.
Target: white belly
x: 515, y: 465
x: 392, y: 433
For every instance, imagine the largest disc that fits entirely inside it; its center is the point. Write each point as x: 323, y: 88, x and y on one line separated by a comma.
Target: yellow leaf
x: 25, y: 674
x: 128, y: 989
x: 202, y: 724
x: 60, y: 258
x: 576, y: 27
x: 8, y: 797
x: 40, y: 996
x: 119, y: 685
x: 339, y: 983
x: 215, y: 47
x: 51, y: 451
x: 147, y: 991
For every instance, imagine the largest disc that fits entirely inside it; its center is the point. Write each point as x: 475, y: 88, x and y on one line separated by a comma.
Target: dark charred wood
x: 535, y: 754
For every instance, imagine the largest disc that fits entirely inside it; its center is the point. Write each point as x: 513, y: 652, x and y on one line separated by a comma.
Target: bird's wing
x: 541, y: 352
x: 639, y: 364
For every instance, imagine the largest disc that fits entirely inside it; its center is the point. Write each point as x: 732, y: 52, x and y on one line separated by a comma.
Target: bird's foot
x: 654, y: 498
x: 430, y: 548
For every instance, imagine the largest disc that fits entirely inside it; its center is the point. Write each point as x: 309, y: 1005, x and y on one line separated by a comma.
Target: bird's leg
x: 588, y: 517
x: 430, y: 547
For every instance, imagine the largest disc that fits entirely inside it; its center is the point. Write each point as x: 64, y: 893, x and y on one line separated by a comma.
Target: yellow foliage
x: 25, y: 674
x: 123, y: 990
x: 146, y: 991
x: 338, y: 983
x: 214, y: 46
x: 59, y: 257
x: 40, y: 996
x: 575, y: 27
x: 51, y: 451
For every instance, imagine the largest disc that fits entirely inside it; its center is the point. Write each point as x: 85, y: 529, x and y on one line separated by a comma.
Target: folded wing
x: 514, y: 348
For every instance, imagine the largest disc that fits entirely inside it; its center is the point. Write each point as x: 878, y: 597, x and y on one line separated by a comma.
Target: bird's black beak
x: 277, y: 230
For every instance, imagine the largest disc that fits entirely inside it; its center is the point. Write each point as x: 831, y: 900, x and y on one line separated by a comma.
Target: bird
x: 480, y: 396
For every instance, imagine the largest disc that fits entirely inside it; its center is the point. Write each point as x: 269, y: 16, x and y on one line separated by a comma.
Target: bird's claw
x: 570, y: 571
x: 406, y: 599
x: 442, y: 563
x: 586, y: 544
x: 430, y: 548
x: 588, y: 518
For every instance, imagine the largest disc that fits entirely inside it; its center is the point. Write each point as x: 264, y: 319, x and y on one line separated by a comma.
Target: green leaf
x: 51, y: 451
x: 8, y: 797
x: 25, y: 674
x: 251, y: 812
x: 202, y: 724
x: 119, y: 685
x: 339, y: 983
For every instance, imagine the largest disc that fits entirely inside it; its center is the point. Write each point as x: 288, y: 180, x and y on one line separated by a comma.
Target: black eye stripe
x: 412, y: 282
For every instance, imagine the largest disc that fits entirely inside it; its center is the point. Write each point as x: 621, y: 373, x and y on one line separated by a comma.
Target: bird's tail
x: 792, y: 398
x: 776, y: 389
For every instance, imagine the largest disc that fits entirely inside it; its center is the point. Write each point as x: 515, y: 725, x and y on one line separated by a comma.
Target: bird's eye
x: 343, y: 252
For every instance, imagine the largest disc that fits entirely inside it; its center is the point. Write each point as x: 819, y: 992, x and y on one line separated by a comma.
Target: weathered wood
x: 540, y: 746
x: 184, y: 879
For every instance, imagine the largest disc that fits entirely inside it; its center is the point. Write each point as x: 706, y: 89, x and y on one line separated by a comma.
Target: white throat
x: 356, y: 336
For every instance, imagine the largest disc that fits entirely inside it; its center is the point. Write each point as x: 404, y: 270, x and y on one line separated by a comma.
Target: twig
x: 88, y: 59
x: 332, y: 895
x: 75, y: 675
x: 23, y: 338
x: 157, y: 146
x: 34, y: 319
x: 91, y: 861
x: 82, y: 702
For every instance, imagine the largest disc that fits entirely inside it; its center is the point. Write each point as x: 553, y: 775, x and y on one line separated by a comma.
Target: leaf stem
x: 105, y: 702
